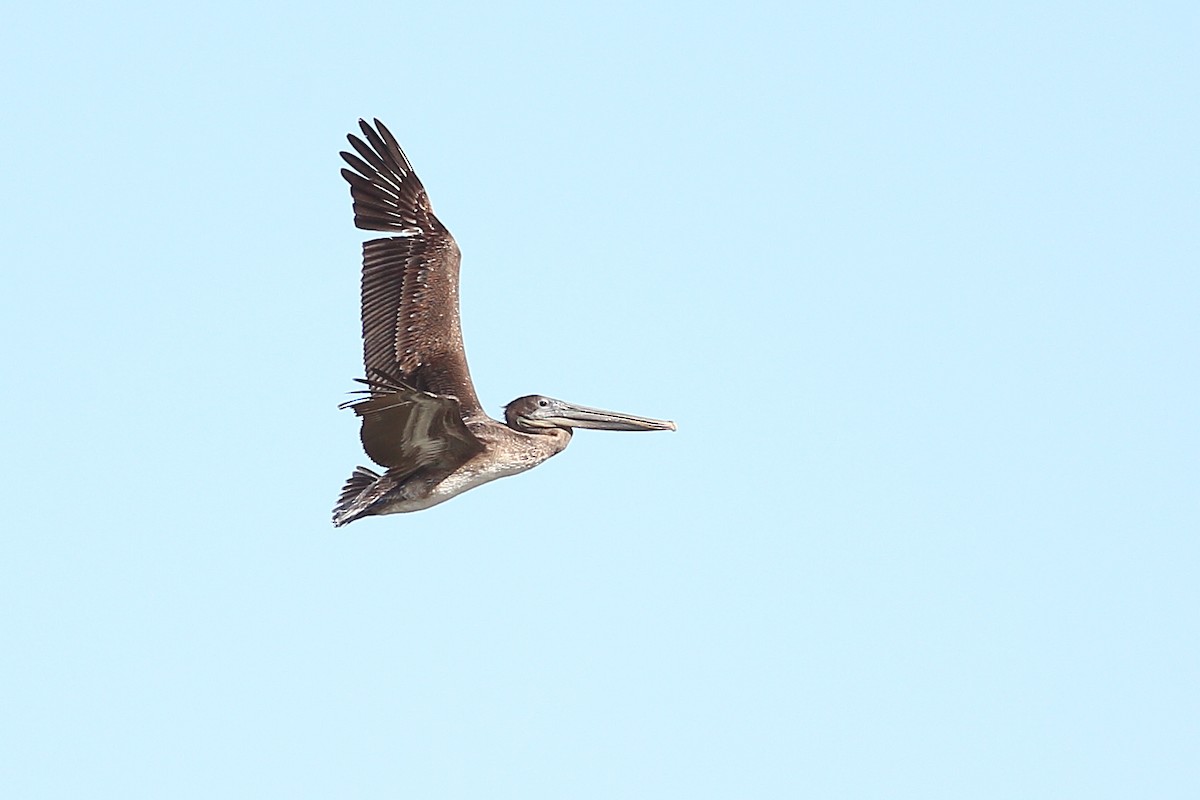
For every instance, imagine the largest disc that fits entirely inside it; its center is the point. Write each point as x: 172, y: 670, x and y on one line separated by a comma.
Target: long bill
x: 572, y: 416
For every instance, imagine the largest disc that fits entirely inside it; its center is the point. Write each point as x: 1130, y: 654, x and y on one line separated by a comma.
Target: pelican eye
x: 543, y: 402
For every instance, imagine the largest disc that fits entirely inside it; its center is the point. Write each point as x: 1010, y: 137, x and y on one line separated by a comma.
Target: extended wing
x: 410, y: 316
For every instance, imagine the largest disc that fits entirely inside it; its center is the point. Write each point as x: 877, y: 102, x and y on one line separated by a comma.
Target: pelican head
x: 535, y: 413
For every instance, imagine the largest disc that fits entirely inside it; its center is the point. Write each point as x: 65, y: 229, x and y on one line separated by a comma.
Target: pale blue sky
x: 918, y: 282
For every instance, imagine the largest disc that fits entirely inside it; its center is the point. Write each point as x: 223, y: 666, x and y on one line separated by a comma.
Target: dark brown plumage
x: 409, y: 281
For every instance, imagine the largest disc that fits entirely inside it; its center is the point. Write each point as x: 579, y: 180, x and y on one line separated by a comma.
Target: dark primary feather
x: 410, y: 281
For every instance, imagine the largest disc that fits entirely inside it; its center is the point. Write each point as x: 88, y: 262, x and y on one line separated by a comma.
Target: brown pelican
x: 421, y: 420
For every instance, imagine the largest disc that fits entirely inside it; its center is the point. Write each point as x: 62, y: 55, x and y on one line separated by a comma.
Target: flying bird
x: 421, y: 420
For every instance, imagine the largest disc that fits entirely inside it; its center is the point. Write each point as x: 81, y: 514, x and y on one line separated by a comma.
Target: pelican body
x: 421, y: 419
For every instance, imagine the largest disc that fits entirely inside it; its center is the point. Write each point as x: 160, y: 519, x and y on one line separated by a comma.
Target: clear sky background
x: 919, y: 284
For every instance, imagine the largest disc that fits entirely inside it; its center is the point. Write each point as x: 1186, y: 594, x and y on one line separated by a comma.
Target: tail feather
x: 347, y: 509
